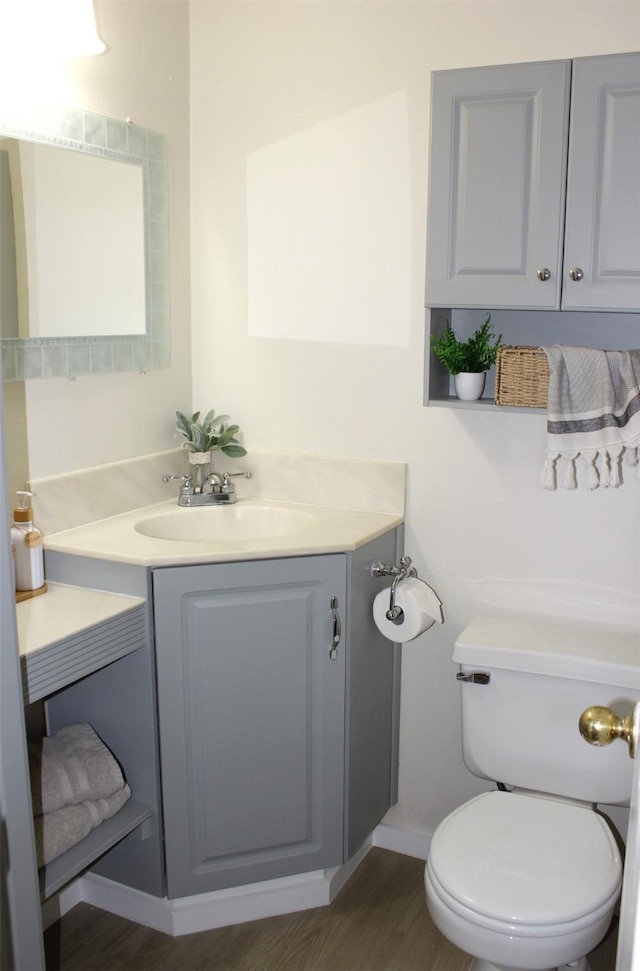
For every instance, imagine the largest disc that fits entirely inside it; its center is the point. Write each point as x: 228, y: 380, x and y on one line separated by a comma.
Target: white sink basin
x: 206, y: 524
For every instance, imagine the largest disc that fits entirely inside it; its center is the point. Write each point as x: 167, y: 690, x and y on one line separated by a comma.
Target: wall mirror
x: 84, y: 248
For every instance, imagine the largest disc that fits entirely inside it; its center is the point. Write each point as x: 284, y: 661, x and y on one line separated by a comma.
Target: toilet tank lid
x: 598, y: 656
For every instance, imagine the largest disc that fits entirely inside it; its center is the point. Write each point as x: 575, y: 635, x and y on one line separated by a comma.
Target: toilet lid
x: 526, y: 860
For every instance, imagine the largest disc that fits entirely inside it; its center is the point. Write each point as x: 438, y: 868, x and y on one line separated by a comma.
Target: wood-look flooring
x: 379, y: 922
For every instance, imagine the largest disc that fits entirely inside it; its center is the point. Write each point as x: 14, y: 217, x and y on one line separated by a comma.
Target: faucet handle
x: 228, y: 486
x: 187, y: 482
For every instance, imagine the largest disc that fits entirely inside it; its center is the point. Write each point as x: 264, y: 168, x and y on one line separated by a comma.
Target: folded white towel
x: 593, y: 412
x: 71, y: 766
x: 58, y: 831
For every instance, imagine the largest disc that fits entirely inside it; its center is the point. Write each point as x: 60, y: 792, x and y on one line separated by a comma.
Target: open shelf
x: 540, y: 328
x: 482, y: 404
x: 68, y: 865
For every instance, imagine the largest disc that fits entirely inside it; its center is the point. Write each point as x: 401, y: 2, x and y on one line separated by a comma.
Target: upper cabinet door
x: 497, y: 185
x: 602, y: 243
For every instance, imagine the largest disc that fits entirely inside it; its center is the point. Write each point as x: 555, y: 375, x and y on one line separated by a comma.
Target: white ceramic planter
x: 469, y: 386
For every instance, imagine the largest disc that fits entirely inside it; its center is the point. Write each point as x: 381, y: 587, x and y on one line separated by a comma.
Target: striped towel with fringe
x: 593, y: 413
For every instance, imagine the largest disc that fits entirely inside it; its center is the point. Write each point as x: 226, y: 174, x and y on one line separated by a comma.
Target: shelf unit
x: 65, y: 636
x: 614, y: 331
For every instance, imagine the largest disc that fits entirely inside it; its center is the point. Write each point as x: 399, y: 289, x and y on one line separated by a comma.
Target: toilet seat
x: 524, y: 864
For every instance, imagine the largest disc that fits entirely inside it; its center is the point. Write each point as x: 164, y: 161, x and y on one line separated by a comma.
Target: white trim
x: 207, y: 911
x: 241, y: 904
x: 57, y: 906
x: 142, y: 908
x: 406, y: 841
x: 339, y: 875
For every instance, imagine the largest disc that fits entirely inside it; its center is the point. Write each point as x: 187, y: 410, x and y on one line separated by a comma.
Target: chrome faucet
x: 213, y: 480
x: 222, y: 491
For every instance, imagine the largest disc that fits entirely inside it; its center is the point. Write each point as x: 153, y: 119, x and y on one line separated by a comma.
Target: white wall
x: 337, y: 96
x: 144, y: 76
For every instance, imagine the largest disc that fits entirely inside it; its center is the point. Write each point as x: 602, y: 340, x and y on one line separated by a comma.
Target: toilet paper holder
x: 399, y: 572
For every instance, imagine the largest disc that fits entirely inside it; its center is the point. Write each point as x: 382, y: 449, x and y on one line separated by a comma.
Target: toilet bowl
x: 522, y: 881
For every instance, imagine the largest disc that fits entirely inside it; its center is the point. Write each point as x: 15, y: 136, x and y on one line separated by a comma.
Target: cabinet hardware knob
x: 337, y: 629
x: 576, y: 274
x: 544, y: 274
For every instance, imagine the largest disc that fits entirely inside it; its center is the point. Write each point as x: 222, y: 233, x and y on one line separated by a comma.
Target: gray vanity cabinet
x: 277, y: 699
x: 251, y: 702
x: 498, y: 169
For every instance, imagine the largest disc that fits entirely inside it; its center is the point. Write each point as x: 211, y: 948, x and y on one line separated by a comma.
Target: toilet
x: 527, y: 875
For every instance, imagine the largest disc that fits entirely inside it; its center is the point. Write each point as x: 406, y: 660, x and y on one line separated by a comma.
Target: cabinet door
x: 251, y: 710
x: 496, y: 186
x: 602, y: 244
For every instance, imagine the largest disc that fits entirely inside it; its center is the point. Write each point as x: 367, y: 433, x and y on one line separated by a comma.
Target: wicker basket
x: 522, y: 377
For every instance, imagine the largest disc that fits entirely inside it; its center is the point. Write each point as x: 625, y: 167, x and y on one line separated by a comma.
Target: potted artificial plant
x: 468, y: 360
x: 201, y: 438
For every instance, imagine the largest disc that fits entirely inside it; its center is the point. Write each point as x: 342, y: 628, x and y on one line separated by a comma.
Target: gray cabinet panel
x: 20, y: 921
x: 373, y: 672
x: 603, y: 200
x: 251, y: 720
x: 496, y: 185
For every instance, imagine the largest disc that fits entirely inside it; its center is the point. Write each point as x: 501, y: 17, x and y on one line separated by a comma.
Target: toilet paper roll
x: 420, y: 608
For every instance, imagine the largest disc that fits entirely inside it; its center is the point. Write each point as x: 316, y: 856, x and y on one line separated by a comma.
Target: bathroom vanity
x: 258, y: 719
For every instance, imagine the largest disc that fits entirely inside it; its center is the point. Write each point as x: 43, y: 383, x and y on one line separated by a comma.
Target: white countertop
x: 64, y: 611
x: 327, y: 530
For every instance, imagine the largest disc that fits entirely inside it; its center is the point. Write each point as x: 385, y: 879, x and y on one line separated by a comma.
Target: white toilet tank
x: 521, y: 728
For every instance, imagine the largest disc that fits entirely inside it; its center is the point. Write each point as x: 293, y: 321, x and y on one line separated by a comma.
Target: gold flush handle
x: 601, y: 726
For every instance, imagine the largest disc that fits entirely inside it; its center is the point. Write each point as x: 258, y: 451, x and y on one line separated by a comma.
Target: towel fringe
x: 549, y: 475
x: 570, y: 477
x: 593, y: 476
x: 615, y: 456
x: 603, y: 468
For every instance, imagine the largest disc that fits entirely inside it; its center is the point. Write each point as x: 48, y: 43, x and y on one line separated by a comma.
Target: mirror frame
x: 24, y: 359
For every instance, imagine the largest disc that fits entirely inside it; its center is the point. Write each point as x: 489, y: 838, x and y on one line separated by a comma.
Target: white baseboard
x: 188, y: 915
x: 57, y: 906
x: 406, y: 841
x: 207, y: 911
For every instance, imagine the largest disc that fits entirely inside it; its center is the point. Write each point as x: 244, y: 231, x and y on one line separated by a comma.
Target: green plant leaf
x: 220, y: 420
x: 234, y: 451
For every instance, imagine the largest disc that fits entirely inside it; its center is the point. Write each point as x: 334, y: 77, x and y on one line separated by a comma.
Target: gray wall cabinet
x: 278, y: 752
x: 502, y: 142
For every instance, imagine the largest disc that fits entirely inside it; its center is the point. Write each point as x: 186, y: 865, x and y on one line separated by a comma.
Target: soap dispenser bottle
x: 27, y: 540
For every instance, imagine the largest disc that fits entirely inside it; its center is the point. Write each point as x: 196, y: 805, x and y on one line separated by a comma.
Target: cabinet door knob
x: 544, y: 274
x: 576, y: 274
